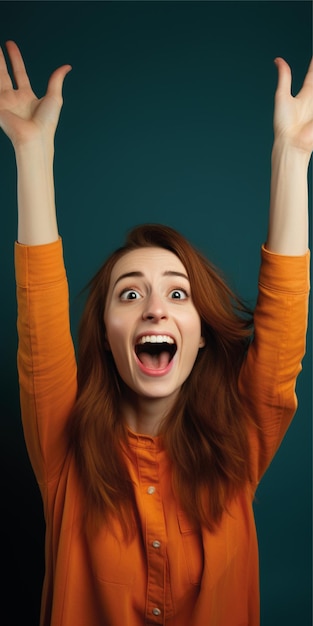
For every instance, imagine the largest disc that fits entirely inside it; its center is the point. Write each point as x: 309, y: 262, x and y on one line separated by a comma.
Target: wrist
x: 284, y: 151
x: 288, y: 223
x: 34, y: 148
x: 36, y: 203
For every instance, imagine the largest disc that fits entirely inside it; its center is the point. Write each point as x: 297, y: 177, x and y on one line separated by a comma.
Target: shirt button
x: 156, y: 544
x: 156, y: 611
x: 151, y: 490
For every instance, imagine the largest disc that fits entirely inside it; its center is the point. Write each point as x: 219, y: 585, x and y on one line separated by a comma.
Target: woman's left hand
x: 293, y: 116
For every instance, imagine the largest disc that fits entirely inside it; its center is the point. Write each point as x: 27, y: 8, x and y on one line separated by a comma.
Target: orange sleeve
x: 46, y: 358
x: 268, y: 376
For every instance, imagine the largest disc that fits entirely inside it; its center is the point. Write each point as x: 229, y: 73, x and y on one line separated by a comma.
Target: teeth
x: 155, y: 339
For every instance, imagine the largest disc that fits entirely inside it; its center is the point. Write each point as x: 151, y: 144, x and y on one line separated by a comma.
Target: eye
x: 178, y: 294
x: 130, y: 294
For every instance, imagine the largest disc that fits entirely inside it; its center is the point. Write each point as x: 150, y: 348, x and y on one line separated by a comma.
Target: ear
x: 202, y: 342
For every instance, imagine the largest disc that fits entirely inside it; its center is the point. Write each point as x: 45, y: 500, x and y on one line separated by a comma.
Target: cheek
x: 116, y: 333
x: 113, y: 329
x: 192, y: 327
x: 196, y: 341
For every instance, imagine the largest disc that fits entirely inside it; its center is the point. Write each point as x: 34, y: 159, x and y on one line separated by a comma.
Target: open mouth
x: 155, y: 352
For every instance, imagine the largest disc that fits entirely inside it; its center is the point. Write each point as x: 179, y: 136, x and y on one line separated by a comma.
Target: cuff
x: 285, y: 273
x: 38, y: 265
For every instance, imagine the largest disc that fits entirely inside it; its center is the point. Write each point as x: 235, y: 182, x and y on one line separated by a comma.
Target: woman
x: 148, y: 459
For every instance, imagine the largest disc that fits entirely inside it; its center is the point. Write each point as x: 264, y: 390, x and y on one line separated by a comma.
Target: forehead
x: 147, y: 260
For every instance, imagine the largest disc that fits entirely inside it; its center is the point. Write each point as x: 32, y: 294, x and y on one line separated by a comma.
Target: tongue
x: 155, y: 361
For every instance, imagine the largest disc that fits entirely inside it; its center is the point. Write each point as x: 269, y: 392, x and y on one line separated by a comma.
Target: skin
x: 30, y: 123
x: 150, y: 304
x: 292, y: 149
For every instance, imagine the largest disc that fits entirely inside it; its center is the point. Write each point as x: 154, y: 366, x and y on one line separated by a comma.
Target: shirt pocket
x: 193, y: 547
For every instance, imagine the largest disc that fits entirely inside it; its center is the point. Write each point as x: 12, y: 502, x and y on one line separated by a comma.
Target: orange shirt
x: 169, y: 573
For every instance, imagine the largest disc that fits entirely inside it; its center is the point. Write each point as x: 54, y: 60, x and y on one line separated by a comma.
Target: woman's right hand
x: 23, y: 116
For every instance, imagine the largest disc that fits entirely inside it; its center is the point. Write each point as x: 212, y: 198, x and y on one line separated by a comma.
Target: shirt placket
x: 154, y: 531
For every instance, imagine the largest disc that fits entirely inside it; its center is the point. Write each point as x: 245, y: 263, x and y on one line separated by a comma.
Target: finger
x: 5, y: 80
x: 18, y: 67
x: 284, y: 76
x: 56, y: 81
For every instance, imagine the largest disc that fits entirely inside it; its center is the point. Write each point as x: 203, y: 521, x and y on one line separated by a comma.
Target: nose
x: 155, y: 308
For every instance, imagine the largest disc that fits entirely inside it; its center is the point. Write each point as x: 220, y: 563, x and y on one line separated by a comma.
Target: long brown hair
x: 205, y: 434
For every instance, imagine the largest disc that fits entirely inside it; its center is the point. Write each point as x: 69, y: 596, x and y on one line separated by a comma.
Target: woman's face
x: 152, y: 327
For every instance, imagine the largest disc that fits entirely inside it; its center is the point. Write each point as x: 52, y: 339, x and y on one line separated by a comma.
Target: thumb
x: 56, y: 81
x: 284, y: 76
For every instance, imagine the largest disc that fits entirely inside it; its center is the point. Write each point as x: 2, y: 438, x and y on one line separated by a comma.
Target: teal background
x: 167, y: 118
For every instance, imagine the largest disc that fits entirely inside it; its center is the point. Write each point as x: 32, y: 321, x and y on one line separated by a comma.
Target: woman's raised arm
x: 293, y: 145
x: 30, y: 123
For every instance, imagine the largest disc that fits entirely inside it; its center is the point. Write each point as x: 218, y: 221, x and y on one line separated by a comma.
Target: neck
x: 144, y: 415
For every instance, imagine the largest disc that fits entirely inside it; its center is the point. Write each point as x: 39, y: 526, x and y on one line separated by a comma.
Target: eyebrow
x: 141, y: 275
